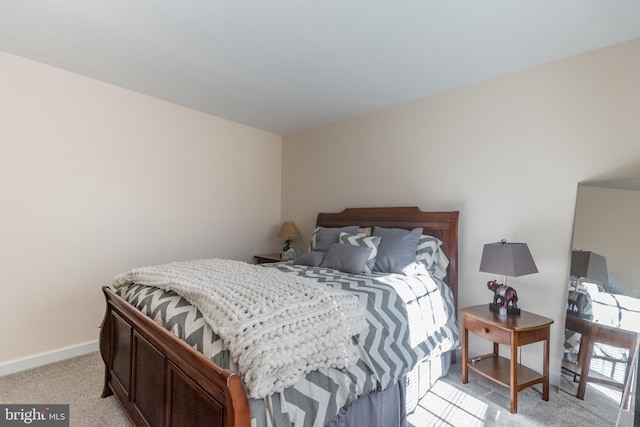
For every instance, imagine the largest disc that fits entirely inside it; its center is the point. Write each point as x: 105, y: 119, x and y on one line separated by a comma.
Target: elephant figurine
x: 579, y: 304
x: 503, y: 295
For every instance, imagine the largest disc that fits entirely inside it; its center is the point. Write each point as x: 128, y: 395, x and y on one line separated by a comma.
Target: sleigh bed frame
x: 160, y: 380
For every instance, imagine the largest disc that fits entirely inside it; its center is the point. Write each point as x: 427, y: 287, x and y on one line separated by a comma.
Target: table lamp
x: 592, y: 267
x: 589, y: 265
x: 290, y: 232
x: 507, y: 259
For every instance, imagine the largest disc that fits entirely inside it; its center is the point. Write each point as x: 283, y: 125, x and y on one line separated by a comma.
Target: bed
x: 161, y: 380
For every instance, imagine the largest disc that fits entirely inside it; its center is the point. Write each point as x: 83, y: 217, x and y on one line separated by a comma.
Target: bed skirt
x: 392, y: 406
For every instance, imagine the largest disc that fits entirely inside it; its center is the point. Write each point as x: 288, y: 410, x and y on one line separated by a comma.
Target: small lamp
x: 507, y: 259
x: 589, y: 265
x: 585, y: 265
x: 290, y: 232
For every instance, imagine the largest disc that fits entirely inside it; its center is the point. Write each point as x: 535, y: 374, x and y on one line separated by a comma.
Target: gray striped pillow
x: 429, y: 254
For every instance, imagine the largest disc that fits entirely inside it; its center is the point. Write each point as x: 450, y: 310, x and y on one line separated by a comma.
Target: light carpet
x: 481, y: 402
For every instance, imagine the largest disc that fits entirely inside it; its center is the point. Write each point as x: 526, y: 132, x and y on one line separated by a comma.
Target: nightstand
x: 511, y: 330
x: 268, y: 258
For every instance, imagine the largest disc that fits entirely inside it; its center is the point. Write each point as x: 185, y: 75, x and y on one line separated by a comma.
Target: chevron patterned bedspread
x: 410, y: 319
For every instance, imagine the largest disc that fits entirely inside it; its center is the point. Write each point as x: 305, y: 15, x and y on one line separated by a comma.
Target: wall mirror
x: 603, y: 307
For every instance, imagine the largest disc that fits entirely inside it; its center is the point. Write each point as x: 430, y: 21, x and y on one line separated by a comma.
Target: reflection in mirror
x: 603, y: 307
x: 592, y: 268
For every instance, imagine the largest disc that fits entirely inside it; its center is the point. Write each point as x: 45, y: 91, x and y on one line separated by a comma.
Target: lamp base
x: 288, y: 254
x: 497, y: 307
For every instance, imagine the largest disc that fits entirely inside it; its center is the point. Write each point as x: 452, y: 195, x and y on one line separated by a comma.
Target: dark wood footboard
x: 160, y: 380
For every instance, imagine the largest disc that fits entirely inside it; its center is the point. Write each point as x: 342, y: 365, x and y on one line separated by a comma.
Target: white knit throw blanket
x: 277, y: 326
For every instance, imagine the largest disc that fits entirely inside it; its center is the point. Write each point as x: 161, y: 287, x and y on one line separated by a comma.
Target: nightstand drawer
x: 488, y: 332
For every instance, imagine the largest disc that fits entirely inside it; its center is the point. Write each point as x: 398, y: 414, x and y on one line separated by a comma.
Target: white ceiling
x: 289, y: 65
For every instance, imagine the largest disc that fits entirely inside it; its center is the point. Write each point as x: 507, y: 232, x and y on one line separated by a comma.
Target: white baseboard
x: 24, y: 363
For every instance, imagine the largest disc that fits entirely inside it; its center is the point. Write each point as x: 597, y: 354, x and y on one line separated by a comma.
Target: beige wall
x: 95, y: 179
x: 607, y: 223
x: 508, y: 153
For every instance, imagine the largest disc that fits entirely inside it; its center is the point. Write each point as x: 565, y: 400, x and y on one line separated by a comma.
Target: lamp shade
x: 288, y: 230
x: 507, y: 259
x: 590, y: 266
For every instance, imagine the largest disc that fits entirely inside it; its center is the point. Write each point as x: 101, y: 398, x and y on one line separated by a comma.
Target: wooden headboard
x: 443, y: 225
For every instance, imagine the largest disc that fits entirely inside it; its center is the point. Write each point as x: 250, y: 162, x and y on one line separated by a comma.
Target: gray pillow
x: 366, y: 241
x: 311, y: 258
x: 347, y: 258
x: 323, y: 238
x: 397, y: 249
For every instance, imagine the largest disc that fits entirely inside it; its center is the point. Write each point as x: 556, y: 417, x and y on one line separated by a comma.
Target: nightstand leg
x: 545, y: 368
x: 513, y: 375
x: 465, y: 351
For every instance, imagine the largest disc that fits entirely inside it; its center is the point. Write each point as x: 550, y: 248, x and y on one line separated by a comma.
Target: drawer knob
x: 485, y: 330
